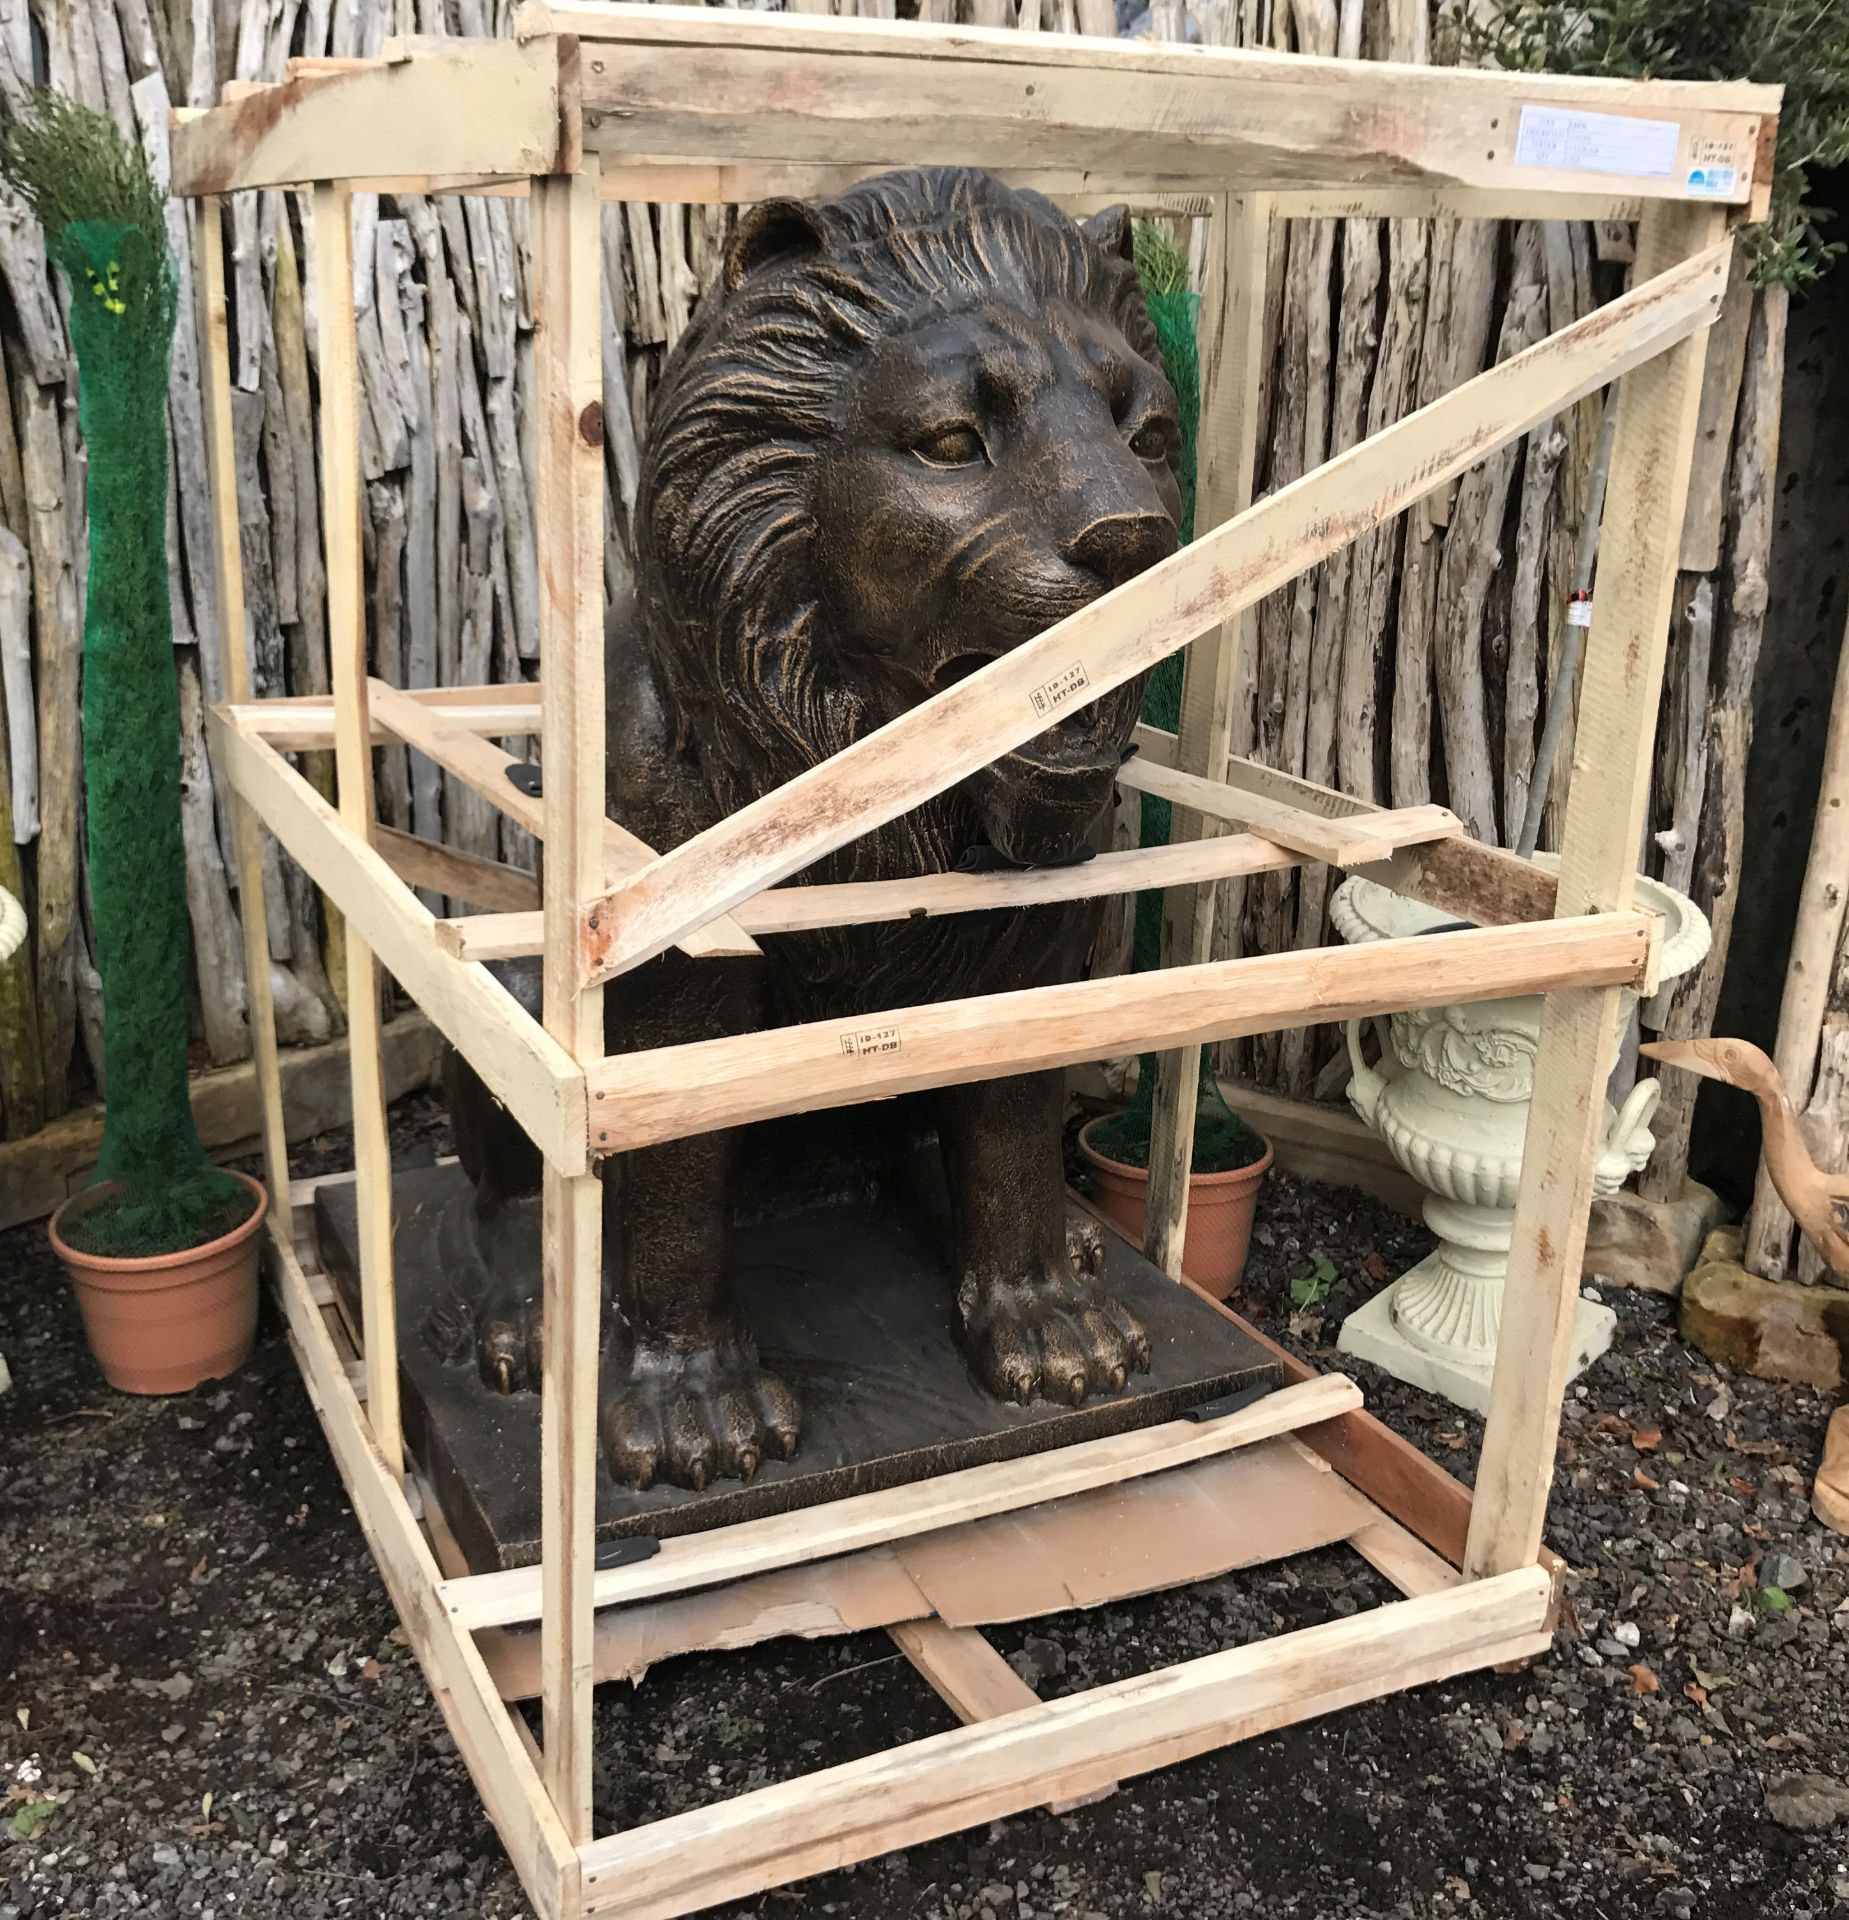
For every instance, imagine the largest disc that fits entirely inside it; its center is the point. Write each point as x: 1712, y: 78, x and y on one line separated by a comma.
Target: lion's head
x: 907, y: 429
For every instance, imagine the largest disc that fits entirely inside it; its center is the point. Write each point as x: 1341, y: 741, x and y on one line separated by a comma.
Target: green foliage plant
x: 1801, y: 45
x: 104, y: 221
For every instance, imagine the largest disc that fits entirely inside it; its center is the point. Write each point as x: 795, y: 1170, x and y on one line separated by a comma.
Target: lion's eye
x: 951, y: 447
x: 1153, y: 440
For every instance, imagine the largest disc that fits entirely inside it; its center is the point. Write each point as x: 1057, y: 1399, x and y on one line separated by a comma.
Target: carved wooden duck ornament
x: 1817, y: 1201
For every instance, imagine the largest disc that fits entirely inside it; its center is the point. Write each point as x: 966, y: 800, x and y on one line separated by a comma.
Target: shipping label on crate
x: 1715, y: 166
x: 871, y: 1040
x: 1061, y: 692
x: 1596, y: 143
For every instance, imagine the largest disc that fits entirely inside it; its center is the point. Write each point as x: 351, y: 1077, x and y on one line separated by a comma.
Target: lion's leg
x: 685, y: 1398
x: 1034, y: 1317
x: 493, y: 1234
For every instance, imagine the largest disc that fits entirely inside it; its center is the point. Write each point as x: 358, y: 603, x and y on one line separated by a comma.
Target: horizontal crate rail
x: 443, y: 107
x: 525, y: 1068
x: 997, y: 708
x: 798, y: 909
x: 303, y: 723
x: 1457, y: 875
x: 904, y: 94
x: 644, y: 1099
x: 1079, y: 191
x: 1368, y: 84
x: 693, y: 1560
x: 1354, y: 840
x: 482, y: 766
x: 449, y: 114
x: 1088, y: 190
x: 1059, y: 1749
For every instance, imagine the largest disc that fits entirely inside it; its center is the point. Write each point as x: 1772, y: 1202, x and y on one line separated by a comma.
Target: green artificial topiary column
x: 104, y: 225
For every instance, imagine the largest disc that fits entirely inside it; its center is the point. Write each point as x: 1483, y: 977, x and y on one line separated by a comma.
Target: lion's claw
x: 1085, y: 1247
x: 510, y: 1346
x: 690, y: 1417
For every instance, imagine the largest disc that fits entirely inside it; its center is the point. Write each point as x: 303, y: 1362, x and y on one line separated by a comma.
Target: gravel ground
x: 209, y: 1711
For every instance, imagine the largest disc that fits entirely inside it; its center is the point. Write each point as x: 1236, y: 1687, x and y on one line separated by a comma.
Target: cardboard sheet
x: 1261, y: 1503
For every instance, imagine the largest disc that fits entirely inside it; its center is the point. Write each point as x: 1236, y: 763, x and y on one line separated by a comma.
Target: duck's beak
x: 1686, y: 1054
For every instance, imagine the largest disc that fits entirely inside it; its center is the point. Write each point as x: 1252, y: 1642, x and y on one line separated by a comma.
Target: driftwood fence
x: 1413, y: 667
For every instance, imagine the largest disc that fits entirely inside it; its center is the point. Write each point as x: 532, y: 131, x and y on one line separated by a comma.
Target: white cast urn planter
x: 1450, y: 1099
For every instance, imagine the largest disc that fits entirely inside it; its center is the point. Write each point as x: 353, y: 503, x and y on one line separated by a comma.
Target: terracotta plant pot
x: 1220, y: 1210
x: 165, y: 1323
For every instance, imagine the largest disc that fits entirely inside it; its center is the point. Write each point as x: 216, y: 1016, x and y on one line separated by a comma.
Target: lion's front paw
x: 1055, y: 1334
x: 689, y: 1415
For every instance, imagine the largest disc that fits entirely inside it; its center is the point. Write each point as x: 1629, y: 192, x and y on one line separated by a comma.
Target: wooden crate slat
x: 482, y: 766
x: 541, y: 1085
x: 507, y: 935
x: 1622, y: 683
x: 504, y: 1776
x: 467, y: 876
x: 866, y: 1519
x: 1352, y: 841
x: 1058, y: 1748
x: 1484, y: 885
x: 1360, y: 82
x: 454, y: 106
x: 1269, y: 126
x: 234, y: 678
x: 643, y: 1099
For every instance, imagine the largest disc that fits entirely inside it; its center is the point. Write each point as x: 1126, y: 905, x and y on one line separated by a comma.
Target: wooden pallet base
x: 1275, y: 1471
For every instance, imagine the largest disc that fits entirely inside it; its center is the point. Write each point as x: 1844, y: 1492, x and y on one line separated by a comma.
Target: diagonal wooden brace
x: 1129, y: 630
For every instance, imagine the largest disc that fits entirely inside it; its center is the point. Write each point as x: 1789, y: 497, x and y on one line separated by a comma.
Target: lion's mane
x: 752, y: 390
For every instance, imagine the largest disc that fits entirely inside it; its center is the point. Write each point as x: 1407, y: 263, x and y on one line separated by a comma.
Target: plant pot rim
x: 151, y: 1263
x: 1250, y: 1171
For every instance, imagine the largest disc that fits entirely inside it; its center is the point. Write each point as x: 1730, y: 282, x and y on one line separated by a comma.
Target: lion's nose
x: 1121, y: 545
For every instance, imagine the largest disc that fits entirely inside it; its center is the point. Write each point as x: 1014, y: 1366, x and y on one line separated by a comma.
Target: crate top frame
x: 801, y: 103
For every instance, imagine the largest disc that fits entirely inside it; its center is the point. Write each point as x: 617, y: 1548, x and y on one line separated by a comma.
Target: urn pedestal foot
x: 1370, y: 1333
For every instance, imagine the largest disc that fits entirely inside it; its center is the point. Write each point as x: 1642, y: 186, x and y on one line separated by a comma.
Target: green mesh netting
x: 104, y: 225
x: 1222, y: 1140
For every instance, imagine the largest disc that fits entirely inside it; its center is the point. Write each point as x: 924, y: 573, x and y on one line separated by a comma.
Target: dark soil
x: 209, y: 1711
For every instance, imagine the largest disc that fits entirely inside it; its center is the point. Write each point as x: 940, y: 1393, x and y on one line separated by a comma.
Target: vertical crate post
x: 1232, y: 338
x: 1598, y: 871
x: 346, y: 632
x: 567, y: 287
x: 234, y: 678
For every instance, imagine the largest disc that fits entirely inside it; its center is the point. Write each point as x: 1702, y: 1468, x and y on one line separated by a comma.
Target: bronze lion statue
x: 907, y: 429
